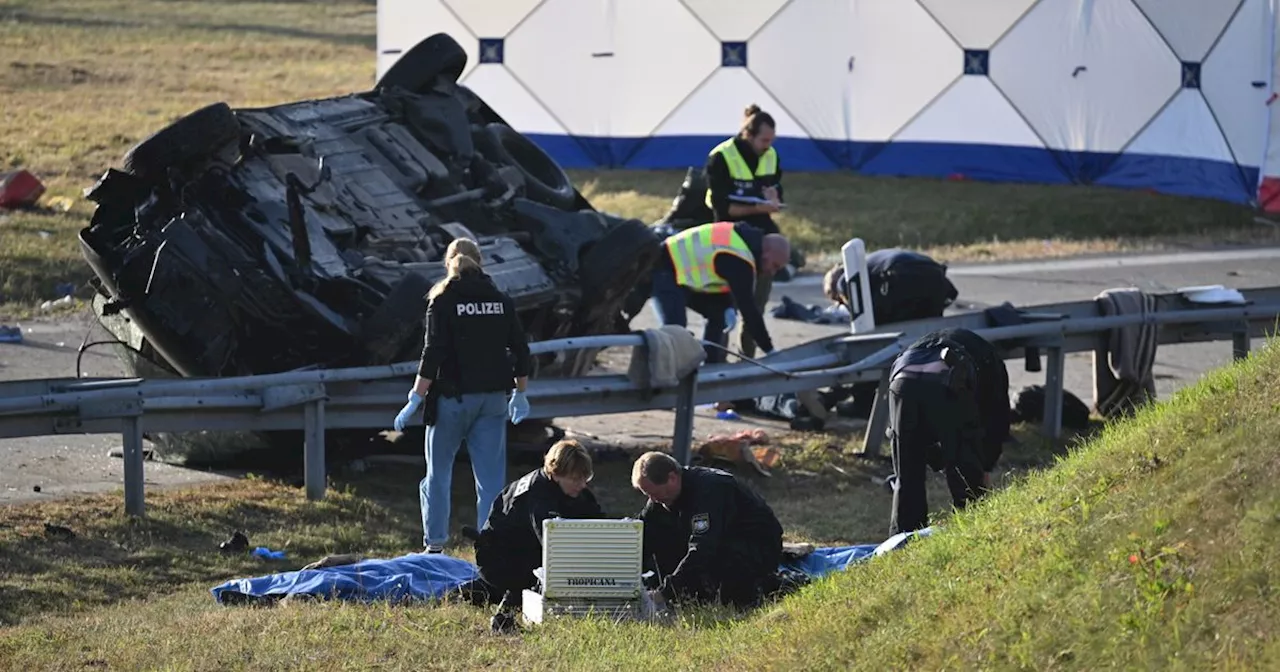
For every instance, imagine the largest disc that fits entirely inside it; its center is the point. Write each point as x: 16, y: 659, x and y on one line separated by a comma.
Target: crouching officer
x: 948, y: 411
x: 706, y: 534
x: 713, y: 269
x: 509, y: 547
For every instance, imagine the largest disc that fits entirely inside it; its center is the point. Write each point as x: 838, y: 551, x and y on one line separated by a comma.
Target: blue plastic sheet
x: 415, y: 576
x: 422, y: 576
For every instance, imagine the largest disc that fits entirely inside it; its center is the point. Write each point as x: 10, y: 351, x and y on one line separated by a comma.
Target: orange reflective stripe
x: 722, y: 234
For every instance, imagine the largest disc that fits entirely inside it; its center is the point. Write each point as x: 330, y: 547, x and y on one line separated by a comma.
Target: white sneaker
x: 433, y: 548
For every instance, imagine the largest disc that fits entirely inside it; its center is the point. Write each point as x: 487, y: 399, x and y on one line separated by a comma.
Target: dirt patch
x: 36, y: 74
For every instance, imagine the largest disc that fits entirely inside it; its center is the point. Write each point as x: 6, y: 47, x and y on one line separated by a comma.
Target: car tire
x: 436, y: 56
x: 193, y: 137
x: 545, y: 181
x: 614, y: 265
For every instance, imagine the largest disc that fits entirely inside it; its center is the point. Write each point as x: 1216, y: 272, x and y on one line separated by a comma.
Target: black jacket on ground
x: 714, y: 511
x: 510, y: 545
x: 473, y: 327
x: 991, y: 389
x: 721, y: 185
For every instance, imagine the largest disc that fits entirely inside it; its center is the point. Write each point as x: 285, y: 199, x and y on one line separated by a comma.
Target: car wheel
x: 195, y: 136
x: 436, y: 56
x: 545, y: 181
x: 618, y: 262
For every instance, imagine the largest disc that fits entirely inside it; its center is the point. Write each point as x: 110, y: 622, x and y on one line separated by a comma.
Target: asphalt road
x: 64, y: 465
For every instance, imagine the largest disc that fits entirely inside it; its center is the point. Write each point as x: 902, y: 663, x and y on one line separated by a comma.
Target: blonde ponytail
x: 462, y: 255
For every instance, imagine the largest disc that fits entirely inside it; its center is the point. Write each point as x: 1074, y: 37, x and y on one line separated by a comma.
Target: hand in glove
x: 402, y: 418
x: 518, y: 407
x: 730, y: 319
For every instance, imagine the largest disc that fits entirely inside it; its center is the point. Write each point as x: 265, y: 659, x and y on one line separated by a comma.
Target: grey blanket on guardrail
x: 1127, y: 380
x: 669, y: 353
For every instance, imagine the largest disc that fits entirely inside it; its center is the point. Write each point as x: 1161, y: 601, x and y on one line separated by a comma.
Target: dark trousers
x: 743, y: 572
x: 671, y: 300
x: 503, y: 576
x: 932, y: 427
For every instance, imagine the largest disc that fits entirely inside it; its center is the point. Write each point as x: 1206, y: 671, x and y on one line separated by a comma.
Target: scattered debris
x: 19, y: 189
x: 10, y: 334
x: 64, y: 301
x: 52, y: 531
x: 238, y: 543
x: 737, y: 449
x: 268, y: 554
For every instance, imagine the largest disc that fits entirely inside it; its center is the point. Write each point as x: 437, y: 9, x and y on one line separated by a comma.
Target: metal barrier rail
x: 367, y: 397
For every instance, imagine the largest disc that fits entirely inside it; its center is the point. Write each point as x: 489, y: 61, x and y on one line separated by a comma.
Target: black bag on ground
x: 1028, y: 406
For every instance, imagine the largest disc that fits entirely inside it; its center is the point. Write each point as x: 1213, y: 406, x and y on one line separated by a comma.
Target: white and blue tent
x: 1168, y: 95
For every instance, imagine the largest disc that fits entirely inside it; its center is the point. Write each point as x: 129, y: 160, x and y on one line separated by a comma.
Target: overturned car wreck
x: 250, y: 241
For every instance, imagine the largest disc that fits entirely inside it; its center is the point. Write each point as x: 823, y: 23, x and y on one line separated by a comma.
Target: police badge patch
x: 701, y: 523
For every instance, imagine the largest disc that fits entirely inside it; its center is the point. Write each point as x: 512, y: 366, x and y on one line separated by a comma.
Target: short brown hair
x: 834, y: 286
x: 655, y: 467
x: 568, y: 459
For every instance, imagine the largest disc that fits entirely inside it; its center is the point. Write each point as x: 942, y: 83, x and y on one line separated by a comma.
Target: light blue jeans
x: 481, y: 419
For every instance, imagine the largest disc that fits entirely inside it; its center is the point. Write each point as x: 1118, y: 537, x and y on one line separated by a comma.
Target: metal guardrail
x: 368, y: 397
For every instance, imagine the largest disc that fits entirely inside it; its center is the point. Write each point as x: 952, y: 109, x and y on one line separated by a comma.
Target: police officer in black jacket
x: 473, y: 335
x: 509, y: 547
x: 948, y: 411
x: 706, y: 534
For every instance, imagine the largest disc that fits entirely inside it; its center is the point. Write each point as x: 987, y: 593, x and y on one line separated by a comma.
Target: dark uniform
x: 475, y: 348
x: 719, y: 540
x: 509, y: 547
x: 470, y: 327
x: 949, y: 415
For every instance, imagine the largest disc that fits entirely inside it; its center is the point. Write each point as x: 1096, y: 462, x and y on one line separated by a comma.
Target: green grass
x: 82, y: 80
x: 1156, y: 546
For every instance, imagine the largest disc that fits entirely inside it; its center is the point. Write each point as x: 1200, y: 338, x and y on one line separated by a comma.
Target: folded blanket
x: 669, y: 353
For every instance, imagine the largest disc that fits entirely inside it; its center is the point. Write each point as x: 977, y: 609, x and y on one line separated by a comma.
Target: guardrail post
x: 134, y: 498
x: 1240, y: 342
x: 873, y: 440
x: 313, y: 449
x: 1053, y: 381
x: 682, y: 436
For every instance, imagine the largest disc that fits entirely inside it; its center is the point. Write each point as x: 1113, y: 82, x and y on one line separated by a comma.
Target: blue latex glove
x: 518, y: 407
x: 730, y: 319
x: 402, y: 418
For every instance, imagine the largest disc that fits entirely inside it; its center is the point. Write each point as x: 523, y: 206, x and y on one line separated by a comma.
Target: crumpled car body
x: 253, y: 241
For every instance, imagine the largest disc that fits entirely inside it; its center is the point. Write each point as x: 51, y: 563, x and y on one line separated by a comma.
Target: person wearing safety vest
x: 746, y: 167
x: 713, y: 269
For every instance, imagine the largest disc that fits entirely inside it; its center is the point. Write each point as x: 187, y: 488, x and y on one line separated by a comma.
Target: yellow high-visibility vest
x: 693, y: 254
x: 738, y: 170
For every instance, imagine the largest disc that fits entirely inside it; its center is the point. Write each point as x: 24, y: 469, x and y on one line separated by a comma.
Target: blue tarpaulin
x: 414, y: 576
x: 425, y: 576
